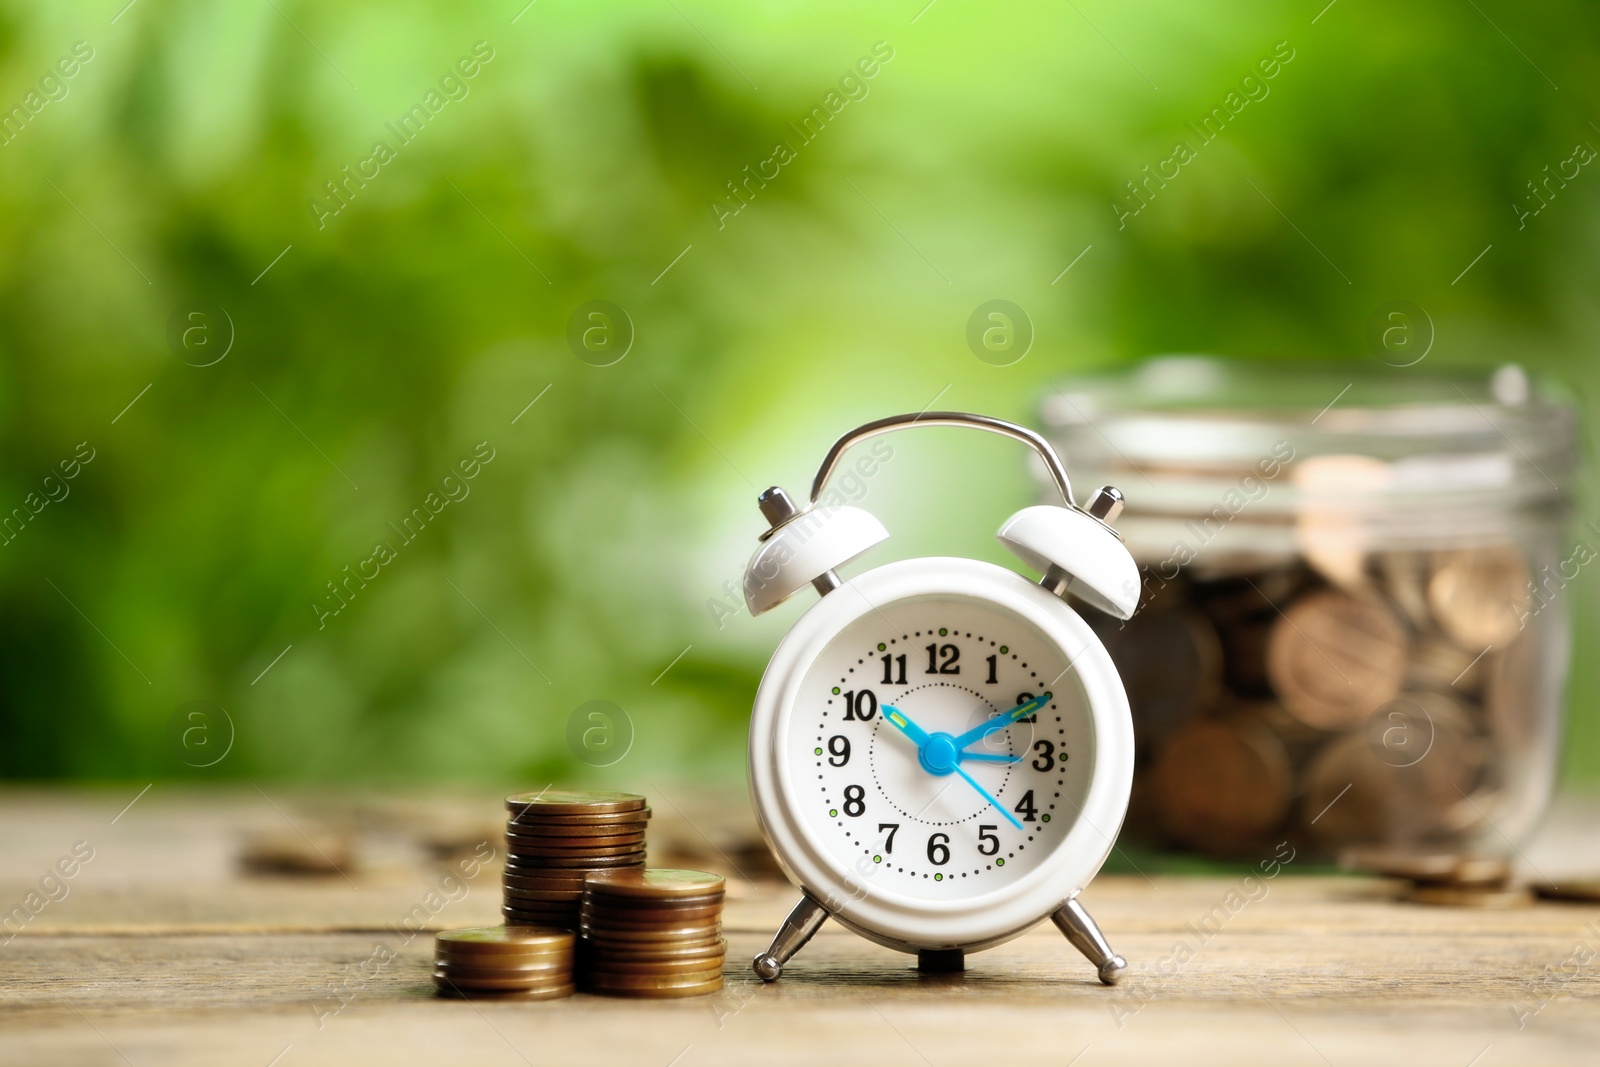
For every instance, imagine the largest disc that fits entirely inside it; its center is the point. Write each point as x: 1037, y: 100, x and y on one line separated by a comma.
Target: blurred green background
x: 375, y: 348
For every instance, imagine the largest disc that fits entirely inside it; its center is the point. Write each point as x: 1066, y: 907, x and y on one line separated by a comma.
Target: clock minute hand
x: 984, y: 793
x: 1021, y: 711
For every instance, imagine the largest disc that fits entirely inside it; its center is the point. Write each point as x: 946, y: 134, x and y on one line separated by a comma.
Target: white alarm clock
x: 941, y: 750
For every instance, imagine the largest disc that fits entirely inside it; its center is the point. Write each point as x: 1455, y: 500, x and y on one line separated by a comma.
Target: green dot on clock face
x: 882, y: 646
x: 835, y: 690
x: 1046, y: 818
x: 877, y: 859
x: 1004, y: 650
x: 818, y: 751
x: 833, y: 813
x: 1000, y: 863
x: 943, y: 632
x: 938, y: 878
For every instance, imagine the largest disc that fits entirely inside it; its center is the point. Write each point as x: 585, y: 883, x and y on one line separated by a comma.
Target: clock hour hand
x: 898, y: 719
x: 988, y: 757
x: 984, y: 793
x: 1000, y: 722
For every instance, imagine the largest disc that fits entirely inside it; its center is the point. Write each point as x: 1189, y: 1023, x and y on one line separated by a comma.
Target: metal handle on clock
x: 1052, y: 462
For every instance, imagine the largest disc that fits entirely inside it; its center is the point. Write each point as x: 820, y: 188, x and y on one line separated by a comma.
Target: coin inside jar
x: 1333, y: 657
x: 1479, y: 595
x: 1222, y: 785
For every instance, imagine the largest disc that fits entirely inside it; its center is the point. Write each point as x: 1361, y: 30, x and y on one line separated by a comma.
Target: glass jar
x: 1351, y: 630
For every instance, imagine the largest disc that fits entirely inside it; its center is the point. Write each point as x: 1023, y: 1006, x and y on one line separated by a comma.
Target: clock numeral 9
x: 988, y: 843
x: 942, y: 659
x: 939, y: 849
x: 838, y: 750
x: 861, y: 705
x: 855, y: 800
x: 1046, y: 760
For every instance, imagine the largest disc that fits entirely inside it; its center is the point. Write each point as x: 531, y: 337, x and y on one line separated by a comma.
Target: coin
x: 1171, y: 665
x: 639, y: 906
x: 631, y: 858
x: 661, y: 991
x: 657, y: 967
x: 655, y: 883
x: 1516, y: 695
x: 1434, y: 868
x: 600, y: 937
x: 573, y: 842
x: 614, y: 980
x: 572, y: 802
x: 1405, y: 582
x: 1222, y: 786
x: 1479, y: 595
x: 1333, y: 657
x: 1470, y: 897
x: 649, y: 953
x: 497, y: 940
x: 1440, y: 664
x: 535, y: 852
x: 448, y: 988
x: 1586, y: 890
x: 468, y: 962
x: 537, y: 819
x: 550, y: 828
x: 656, y: 917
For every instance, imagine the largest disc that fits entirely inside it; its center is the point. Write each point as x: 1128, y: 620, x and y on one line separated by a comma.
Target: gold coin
x: 538, y: 820
x: 544, y: 828
x: 656, y: 967
x: 498, y: 940
x: 572, y: 802
x: 1222, y: 786
x: 1479, y: 595
x: 447, y: 988
x: 1470, y: 897
x: 631, y: 858
x: 655, y: 883
x: 600, y: 899
x: 468, y: 963
x: 647, y: 953
x: 522, y: 914
x: 686, y: 935
x: 523, y: 852
x: 654, y: 918
x: 572, y: 844
x: 660, y: 992
x: 1171, y: 664
x: 1517, y: 695
x: 1586, y: 890
x: 615, y: 980
x: 508, y: 981
x: 1332, y: 658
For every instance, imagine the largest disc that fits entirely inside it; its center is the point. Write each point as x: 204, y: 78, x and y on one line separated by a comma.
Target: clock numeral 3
x: 939, y: 849
x: 1046, y: 760
x: 861, y: 705
x: 855, y: 800
x: 942, y: 659
x: 838, y: 750
x: 988, y: 842
x: 889, y: 663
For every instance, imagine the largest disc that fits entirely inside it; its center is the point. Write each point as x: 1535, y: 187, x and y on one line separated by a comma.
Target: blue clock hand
x: 1021, y: 711
x: 984, y: 793
x: 900, y: 722
x: 987, y: 757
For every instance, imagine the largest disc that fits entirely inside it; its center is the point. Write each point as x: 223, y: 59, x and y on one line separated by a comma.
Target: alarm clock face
x: 949, y: 664
x: 899, y: 843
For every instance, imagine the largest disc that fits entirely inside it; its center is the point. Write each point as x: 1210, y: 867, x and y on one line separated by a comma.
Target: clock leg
x: 796, y: 930
x: 1086, y: 937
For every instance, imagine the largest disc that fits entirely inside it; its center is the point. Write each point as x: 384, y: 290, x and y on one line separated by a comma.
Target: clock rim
x: 896, y: 919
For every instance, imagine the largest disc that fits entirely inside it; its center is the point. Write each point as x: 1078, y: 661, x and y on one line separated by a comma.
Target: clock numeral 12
x: 942, y: 659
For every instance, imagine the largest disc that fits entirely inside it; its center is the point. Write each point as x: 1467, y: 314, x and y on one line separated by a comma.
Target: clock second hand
x: 939, y: 755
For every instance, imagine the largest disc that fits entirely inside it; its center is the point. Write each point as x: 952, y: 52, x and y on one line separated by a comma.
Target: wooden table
x: 162, y: 951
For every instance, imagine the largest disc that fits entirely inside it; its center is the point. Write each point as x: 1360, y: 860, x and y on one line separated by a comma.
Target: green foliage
x: 585, y: 161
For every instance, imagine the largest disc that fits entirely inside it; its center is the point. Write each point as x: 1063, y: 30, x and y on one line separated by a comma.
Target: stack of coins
x: 512, y: 962
x: 1446, y: 878
x: 652, y: 933
x: 555, y: 838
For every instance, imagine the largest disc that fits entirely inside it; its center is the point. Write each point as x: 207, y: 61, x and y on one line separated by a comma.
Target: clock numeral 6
x: 988, y: 843
x: 855, y: 800
x: 939, y: 849
x: 861, y: 705
x: 838, y: 750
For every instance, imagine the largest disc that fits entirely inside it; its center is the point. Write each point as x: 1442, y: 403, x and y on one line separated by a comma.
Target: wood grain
x: 194, y: 964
